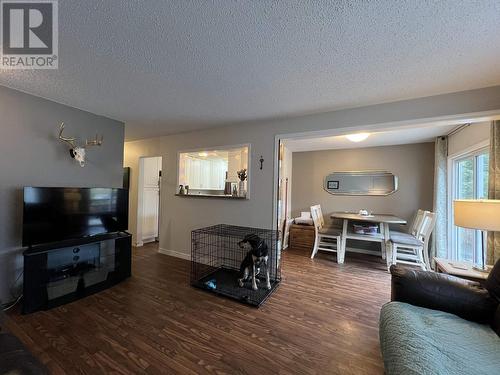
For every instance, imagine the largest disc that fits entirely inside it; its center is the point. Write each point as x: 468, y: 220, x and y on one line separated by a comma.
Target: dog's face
x: 255, y: 244
x: 245, y: 243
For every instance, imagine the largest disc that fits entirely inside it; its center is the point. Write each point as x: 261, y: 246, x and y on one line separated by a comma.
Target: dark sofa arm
x: 437, y: 291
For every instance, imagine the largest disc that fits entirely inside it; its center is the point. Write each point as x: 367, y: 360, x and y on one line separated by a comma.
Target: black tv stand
x: 61, y: 272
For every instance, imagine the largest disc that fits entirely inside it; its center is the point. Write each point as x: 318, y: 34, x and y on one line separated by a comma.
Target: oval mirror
x: 361, y: 183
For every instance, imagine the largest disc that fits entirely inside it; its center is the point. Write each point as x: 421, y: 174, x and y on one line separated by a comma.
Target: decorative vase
x: 241, y: 189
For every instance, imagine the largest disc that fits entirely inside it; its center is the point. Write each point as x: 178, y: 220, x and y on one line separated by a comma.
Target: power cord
x: 7, y: 308
x: 15, y: 282
x: 17, y: 299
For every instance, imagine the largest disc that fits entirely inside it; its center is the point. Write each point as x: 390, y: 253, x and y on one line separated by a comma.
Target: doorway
x: 406, y: 152
x: 148, y: 200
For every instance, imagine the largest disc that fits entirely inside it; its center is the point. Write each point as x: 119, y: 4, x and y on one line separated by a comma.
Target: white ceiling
x: 384, y: 138
x: 165, y: 67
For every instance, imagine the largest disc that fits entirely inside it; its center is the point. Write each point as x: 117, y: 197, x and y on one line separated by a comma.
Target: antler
x: 94, y: 142
x: 68, y: 140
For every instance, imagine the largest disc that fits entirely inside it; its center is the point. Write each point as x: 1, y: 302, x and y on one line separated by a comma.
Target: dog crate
x: 216, y: 257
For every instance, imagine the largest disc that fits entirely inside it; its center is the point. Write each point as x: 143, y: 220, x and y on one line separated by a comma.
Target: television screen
x: 55, y: 214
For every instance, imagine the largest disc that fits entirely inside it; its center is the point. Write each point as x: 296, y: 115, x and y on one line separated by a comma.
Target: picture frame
x: 333, y: 185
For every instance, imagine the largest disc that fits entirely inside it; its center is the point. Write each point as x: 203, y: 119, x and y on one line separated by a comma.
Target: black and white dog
x: 256, y: 257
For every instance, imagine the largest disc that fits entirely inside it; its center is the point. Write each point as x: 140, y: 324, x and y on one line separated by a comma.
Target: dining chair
x: 410, y: 234
x: 326, y: 238
x: 320, y: 214
x: 414, y: 227
x: 414, y: 250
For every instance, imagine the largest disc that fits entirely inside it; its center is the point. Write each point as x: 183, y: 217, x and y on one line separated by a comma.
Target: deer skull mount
x: 78, y: 152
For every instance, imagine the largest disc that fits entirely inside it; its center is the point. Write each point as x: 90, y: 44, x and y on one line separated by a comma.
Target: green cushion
x: 416, y: 340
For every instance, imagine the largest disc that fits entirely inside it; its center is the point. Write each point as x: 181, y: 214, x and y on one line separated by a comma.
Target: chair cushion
x: 303, y: 221
x: 405, y: 239
x: 416, y: 340
x: 397, y: 233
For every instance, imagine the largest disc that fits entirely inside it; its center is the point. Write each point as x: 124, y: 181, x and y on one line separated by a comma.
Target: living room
x: 221, y: 85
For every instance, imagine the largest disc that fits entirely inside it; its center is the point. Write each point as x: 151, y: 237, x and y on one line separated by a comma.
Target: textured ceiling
x: 418, y: 134
x: 165, y: 67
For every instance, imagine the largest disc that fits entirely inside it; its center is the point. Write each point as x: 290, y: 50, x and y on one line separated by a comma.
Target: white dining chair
x: 408, y: 235
x: 414, y: 227
x: 412, y: 250
x: 326, y: 238
x: 319, y: 211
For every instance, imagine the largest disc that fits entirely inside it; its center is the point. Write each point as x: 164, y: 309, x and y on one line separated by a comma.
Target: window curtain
x: 493, y: 250
x: 439, y: 243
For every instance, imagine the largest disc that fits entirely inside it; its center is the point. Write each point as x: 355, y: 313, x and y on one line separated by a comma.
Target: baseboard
x: 174, y: 253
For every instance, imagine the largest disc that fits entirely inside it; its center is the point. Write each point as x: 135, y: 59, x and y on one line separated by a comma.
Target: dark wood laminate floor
x: 322, y: 320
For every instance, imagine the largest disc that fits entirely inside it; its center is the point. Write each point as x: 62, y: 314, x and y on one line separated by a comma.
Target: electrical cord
x: 13, y: 303
x: 15, y: 282
x: 16, y: 298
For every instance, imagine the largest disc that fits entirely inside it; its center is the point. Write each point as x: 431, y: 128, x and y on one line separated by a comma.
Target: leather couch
x: 441, y: 324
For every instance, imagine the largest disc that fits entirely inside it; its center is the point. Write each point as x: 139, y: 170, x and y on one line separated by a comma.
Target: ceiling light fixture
x: 357, y: 137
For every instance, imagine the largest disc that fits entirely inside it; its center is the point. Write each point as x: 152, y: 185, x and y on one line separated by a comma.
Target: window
x: 207, y: 173
x: 469, y: 181
x: 214, y: 171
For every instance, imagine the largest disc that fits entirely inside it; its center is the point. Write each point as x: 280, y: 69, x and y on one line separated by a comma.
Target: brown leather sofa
x: 466, y: 299
x: 441, y: 324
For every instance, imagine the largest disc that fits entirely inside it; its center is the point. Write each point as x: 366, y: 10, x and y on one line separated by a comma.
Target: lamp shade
x: 477, y: 214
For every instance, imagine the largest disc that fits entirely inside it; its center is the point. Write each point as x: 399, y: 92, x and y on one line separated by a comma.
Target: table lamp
x: 483, y: 215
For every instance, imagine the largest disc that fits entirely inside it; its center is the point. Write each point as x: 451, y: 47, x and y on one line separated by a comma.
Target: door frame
x: 140, y: 199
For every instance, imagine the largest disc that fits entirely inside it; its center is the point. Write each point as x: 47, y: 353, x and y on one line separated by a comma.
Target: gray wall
x: 180, y: 215
x: 413, y: 164
x: 31, y: 155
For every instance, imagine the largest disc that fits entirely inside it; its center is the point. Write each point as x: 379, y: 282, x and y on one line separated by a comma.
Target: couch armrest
x: 437, y: 291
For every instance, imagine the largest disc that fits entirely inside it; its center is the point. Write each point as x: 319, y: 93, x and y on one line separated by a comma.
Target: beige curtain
x: 493, y: 252
x: 439, y: 241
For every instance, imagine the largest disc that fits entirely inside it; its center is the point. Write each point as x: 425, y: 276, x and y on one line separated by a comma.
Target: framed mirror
x: 361, y: 183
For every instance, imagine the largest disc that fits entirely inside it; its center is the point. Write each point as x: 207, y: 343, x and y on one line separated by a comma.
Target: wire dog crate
x: 216, y: 258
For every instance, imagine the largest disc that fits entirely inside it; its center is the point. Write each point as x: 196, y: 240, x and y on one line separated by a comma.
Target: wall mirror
x: 361, y: 183
x: 214, y: 172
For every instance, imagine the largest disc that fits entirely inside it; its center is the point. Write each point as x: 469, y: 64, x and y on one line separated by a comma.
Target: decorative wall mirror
x: 361, y: 183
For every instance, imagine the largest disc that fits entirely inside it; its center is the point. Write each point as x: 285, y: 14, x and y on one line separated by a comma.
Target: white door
x: 149, y: 198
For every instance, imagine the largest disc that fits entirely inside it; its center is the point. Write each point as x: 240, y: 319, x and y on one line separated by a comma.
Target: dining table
x: 382, y: 236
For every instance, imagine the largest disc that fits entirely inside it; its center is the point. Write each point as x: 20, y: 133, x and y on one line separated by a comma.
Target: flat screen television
x: 52, y: 214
